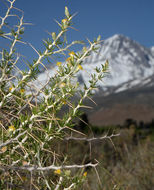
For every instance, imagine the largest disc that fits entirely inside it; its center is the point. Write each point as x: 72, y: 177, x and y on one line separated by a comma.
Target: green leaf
x: 53, y: 34
x: 67, y: 12
x: 98, y: 38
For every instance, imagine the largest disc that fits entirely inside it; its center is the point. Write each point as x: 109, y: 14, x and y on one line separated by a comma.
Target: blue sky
x: 132, y: 18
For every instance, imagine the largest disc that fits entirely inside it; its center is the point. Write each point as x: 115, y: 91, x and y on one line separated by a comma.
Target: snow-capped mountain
x: 128, y: 60
x: 129, y: 63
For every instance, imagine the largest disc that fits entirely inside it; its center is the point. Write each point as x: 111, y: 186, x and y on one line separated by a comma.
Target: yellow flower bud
x: 11, y: 128
x: 85, y: 174
x: 22, y: 90
x: 68, y: 59
x: 3, y: 149
x: 57, y: 172
x: 65, y: 23
x: 71, y: 53
x: 80, y: 67
x: 59, y: 63
x: 64, y: 20
x: 10, y: 89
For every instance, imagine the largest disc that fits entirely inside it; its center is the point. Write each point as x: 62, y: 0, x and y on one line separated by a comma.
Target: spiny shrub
x: 32, y: 117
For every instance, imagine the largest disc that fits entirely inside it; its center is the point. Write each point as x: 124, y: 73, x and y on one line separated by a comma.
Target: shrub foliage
x: 32, y: 117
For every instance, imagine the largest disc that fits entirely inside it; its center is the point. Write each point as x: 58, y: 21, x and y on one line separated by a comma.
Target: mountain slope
x: 136, y: 103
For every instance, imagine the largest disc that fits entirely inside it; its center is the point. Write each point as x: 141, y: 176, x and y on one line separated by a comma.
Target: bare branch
x: 51, y: 167
x: 91, y: 139
x: 12, y: 140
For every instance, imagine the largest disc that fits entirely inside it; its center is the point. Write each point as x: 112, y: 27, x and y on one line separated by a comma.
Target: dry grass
x: 128, y: 165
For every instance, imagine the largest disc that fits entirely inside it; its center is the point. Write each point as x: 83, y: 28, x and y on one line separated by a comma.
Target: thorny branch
x: 91, y: 139
x: 52, y: 167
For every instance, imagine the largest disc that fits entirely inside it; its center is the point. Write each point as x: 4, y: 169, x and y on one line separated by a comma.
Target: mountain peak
x: 118, y: 41
x: 128, y: 59
x: 118, y: 37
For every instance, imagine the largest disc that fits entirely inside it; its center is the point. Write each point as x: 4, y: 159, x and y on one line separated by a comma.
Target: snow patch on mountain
x: 152, y: 50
